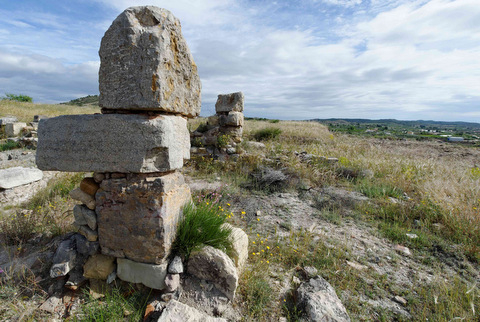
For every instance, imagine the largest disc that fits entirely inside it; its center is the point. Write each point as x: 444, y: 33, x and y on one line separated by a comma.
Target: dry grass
x: 25, y: 111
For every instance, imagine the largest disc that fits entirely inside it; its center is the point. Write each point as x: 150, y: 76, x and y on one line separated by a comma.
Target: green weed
x: 9, y: 145
x: 201, y: 225
x: 115, y: 306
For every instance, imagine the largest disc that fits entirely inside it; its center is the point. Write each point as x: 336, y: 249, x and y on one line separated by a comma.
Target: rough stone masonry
x: 148, y: 87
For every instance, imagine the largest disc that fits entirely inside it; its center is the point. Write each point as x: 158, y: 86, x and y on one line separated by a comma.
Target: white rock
x: 172, y: 282
x: 239, y: 241
x: 14, y: 129
x: 178, y: 312
x: 150, y: 275
x: 113, y: 143
x: 175, y: 266
x: 14, y: 177
x: 213, y: 265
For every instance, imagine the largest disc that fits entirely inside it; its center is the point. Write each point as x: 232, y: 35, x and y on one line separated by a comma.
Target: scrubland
x: 429, y: 189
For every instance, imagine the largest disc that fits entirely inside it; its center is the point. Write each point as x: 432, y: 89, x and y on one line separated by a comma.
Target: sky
x: 304, y: 59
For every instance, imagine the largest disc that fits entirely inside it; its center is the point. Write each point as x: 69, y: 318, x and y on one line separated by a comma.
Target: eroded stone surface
x: 146, y: 64
x: 99, y: 267
x: 113, y: 143
x: 230, y: 102
x: 137, y: 217
x: 213, y: 265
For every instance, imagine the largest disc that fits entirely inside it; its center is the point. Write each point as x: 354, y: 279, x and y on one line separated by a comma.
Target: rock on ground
x: 178, y: 312
x: 18, y: 176
x: 146, y: 64
x: 213, y: 265
x: 319, y: 302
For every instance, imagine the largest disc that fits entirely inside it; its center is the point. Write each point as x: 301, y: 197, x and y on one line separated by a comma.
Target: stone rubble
x: 223, y: 131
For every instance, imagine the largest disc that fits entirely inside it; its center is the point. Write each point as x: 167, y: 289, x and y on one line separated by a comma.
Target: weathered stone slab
x: 229, y: 102
x: 14, y: 129
x: 152, y: 276
x: 213, y: 265
x: 113, y: 143
x: 88, y: 185
x: 176, y: 311
x: 83, y: 197
x: 18, y: 176
x: 137, y: 217
x: 232, y: 119
x: 146, y: 64
x: 84, y: 216
x: 64, y: 258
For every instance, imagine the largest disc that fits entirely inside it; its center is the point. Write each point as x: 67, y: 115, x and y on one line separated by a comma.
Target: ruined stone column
x: 149, y: 85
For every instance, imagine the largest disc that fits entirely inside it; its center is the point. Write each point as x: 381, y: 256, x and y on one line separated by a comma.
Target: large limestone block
x: 18, y: 176
x: 232, y: 119
x: 113, y: 143
x: 146, y: 64
x: 213, y: 265
x: 137, y: 217
x: 178, y: 312
x: 229, y: 102
x: 152, y: 276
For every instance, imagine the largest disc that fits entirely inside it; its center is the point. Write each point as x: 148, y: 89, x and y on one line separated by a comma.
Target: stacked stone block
x: 148, y: 87
x: 227, y: 123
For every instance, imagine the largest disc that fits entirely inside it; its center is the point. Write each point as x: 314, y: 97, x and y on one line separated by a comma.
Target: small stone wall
x: 223, y: 131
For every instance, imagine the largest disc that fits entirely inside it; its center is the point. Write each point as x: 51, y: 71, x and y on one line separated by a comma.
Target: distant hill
x: 405, y: 124
x: 90, y: 100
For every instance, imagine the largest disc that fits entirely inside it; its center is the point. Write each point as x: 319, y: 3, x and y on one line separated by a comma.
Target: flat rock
x: 229, y: 102
x: 85, y: 247
x: 64, y: 258
x: 18, y: 176
x: 145, y: 64
x: 150, y: 275
x: 137, y: 217
x: 178, y: 312
x: 113, y: 143
x: 213, y: 265
x: 319, y: 302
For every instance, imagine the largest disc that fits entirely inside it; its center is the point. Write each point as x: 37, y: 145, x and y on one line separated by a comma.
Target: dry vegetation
x: 436, y: 194
x: 25, y: 111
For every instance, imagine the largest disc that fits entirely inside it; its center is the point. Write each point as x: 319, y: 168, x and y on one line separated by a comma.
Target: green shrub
x: 223, y: 140
x: 274, y: 121
x: 200, y: 226
x: 202, y: 128
x: 9, y: 145
x: 267, y: 133
x: 18, y: 98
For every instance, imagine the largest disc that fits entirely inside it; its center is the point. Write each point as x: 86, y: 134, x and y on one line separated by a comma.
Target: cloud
x: 44, y: 78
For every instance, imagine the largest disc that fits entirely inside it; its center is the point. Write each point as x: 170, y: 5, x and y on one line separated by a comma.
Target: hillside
x: 90, y: 100
x: 392, y: 225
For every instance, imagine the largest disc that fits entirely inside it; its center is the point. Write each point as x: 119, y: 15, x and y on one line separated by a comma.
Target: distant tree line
x: 17, y: 97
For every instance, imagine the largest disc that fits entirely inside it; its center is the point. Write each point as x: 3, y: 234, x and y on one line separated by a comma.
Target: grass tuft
x: 267, y: 133
x: 200, y: 226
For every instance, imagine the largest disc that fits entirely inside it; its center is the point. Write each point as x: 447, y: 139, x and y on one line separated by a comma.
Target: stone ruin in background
x: 131, y: 206
x: 223, y: 131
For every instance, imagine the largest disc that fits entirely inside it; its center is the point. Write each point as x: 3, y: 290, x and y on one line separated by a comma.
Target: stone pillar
x: 149, y: 85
